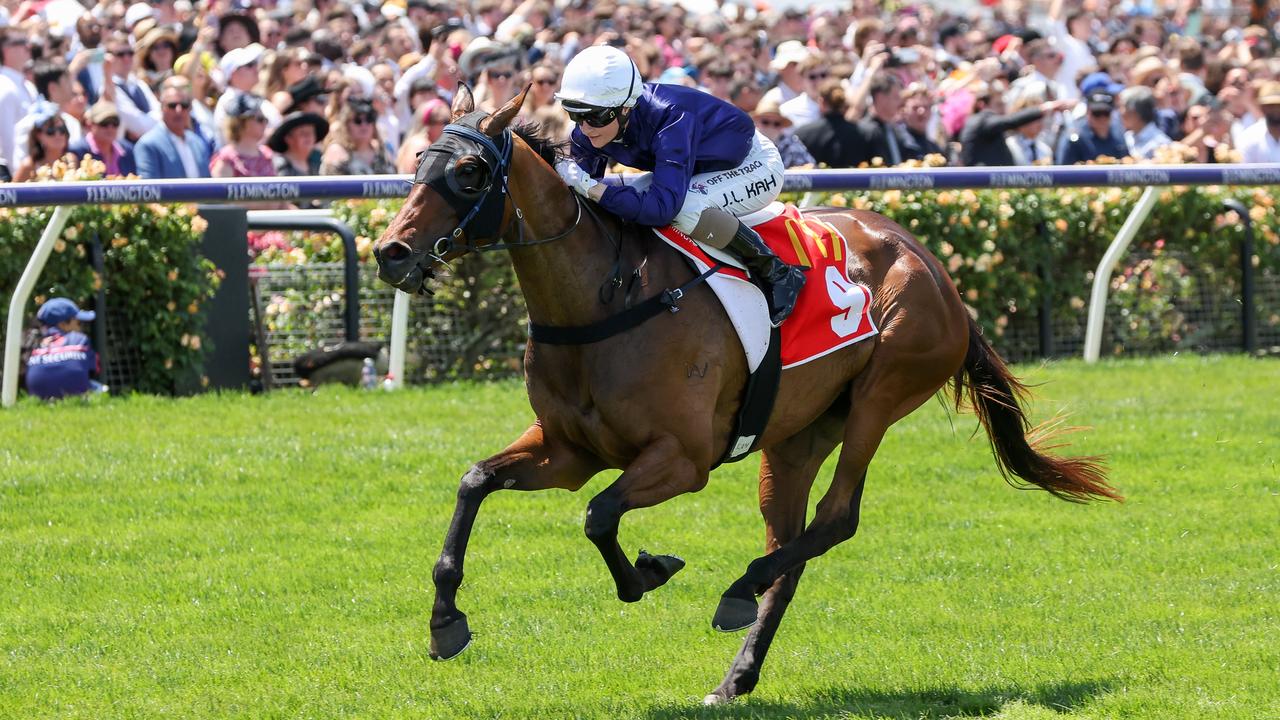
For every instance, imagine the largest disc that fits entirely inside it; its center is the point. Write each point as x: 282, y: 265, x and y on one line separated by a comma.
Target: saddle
x: 832, y: 312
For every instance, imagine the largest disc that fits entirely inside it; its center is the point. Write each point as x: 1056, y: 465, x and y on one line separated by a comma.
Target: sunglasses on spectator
x: 595, y: 117
x: 112, y: 123
x: 819, y: 76
x: 363, y: 119
x: 547, y: 81
x: 55, y: 130
x: 500, y: 75
x: 123, y: 52
x: 1100, y: 113
x: 770, y: 123
x: 183, y: 105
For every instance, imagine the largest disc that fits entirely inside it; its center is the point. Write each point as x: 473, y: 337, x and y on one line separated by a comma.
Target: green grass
x: 233, y: 556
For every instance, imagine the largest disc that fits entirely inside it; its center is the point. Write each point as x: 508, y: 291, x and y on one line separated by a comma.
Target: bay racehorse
x: 659, y: 400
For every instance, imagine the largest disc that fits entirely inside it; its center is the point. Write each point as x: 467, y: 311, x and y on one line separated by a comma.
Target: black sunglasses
x: 546, y: 81
x: 185, y: 105
x: 501, y: 75
x: 595, y: 117
x: 1100, y: 113
x: 55, y: 130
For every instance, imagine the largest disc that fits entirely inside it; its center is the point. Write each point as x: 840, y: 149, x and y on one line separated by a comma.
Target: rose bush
x: 154, y: 277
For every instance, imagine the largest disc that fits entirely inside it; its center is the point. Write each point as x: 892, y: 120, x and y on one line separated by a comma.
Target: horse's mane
x: 549, y: 149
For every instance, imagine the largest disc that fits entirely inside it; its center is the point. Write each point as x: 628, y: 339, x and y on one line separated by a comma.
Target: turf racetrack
x: 242, y: 556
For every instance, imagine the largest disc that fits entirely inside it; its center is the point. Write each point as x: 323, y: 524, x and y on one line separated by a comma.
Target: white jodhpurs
x: 741, y: 191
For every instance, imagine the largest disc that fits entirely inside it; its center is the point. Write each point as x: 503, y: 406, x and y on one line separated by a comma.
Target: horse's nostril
x: 395, y: 251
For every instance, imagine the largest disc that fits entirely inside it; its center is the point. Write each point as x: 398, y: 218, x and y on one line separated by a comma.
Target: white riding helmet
x: 601, y: 76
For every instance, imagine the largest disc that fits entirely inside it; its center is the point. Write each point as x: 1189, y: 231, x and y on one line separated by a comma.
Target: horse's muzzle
x: 400, y: 266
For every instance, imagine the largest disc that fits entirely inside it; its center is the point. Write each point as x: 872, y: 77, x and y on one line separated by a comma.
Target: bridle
x: 485, y: 204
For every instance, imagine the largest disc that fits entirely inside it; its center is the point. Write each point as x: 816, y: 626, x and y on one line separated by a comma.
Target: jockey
x: 708, y: 164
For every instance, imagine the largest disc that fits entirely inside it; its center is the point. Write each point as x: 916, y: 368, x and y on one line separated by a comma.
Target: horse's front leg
x: 660, y: 472
x: 533, y: 462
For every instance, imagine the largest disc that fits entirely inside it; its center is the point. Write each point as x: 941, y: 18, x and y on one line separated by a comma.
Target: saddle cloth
x: 832, y: 312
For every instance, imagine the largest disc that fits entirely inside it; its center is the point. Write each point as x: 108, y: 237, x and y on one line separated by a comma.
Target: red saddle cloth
x: 832, y: 311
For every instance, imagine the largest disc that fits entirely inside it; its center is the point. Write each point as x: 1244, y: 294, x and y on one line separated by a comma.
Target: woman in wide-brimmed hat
x: 296, y: 144
x: 774, y: 125
x: 156, y: 53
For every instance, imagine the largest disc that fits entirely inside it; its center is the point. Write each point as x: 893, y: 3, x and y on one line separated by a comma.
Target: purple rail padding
x: 242, y: 190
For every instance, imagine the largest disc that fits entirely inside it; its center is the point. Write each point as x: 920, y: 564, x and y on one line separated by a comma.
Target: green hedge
x: 991, y: 242
x: 155, y: 284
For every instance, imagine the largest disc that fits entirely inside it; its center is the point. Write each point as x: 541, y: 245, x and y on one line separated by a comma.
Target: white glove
x: 575, y: 177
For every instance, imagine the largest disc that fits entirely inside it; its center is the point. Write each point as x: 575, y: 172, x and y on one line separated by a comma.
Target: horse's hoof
x: 734, y: 614
x: 657, y: 569
x: 716, y: 699
x: 449, y: 641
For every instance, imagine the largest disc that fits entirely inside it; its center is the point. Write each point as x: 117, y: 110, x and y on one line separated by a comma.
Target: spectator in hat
x: 17, y: 94
x: 1260, y: 142
x: 240, y: 68
x: 307, y: 95
x: 153, y: 61
x: 786, y: 63
x: 171, y: 149
x: 101, y: 141
x: 353, y: 146
x: 1138, y: 115
x: 61, y: 365
x: 544, y: 78
x: 804, y: 108
x: 774, y: 125
x: 46, y: 141
x: 244, y: 155
x: 296, y: 144
x: 1025, y: 144
x: 54, y: 85
x: 1097, y: 135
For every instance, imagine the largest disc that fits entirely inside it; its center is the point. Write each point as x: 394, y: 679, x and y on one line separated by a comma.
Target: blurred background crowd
x: 231, y: 88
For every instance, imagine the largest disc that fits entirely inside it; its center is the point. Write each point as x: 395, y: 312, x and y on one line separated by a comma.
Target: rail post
x: 1248, y: 314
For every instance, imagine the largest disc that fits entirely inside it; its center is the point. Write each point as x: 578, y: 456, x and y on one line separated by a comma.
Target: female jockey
x: 708, y: 163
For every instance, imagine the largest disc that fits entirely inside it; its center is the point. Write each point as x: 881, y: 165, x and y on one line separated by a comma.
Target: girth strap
x: 614, y: 324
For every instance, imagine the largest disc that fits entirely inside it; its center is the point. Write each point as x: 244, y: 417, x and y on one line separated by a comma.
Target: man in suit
x: 171, y: 149
x: 982, y: 141
x: 917, y: 113
x: 879, y: 128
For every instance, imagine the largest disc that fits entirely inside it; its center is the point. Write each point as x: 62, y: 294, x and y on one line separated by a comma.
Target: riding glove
x: 575, y: 177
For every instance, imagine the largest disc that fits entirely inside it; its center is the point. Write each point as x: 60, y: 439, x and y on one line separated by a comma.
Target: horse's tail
x: 996, y: 397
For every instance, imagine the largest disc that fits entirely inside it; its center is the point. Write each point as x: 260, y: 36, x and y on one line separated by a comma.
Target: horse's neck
x: 561, y: 279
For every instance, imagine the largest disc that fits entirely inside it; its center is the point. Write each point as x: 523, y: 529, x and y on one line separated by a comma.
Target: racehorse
x: 658, y: 401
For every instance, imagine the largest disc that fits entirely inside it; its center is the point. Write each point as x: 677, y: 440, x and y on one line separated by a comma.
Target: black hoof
x: 657, y: 569
x: 449, y: 641
x: 734, y: 614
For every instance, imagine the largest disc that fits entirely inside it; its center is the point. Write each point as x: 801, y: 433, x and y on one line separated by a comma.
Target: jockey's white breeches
x: 740, y: 191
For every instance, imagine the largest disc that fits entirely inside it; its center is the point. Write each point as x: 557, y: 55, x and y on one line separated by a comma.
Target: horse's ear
x: 497, y: 122
x: 463, y: 101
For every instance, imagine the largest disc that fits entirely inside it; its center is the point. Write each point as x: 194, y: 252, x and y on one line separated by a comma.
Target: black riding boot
x: 780, y: 282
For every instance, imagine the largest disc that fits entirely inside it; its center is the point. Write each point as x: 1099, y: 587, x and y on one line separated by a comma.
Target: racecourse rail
x: 64, y: 195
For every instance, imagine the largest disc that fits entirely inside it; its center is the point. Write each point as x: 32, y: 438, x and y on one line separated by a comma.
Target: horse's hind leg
x: 835, y: 521
x: 533, y: 462
x: 660, y: 472
x: 786, y: 476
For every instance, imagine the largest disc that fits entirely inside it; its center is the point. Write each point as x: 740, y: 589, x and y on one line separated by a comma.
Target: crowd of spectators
x: 234, y: 88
